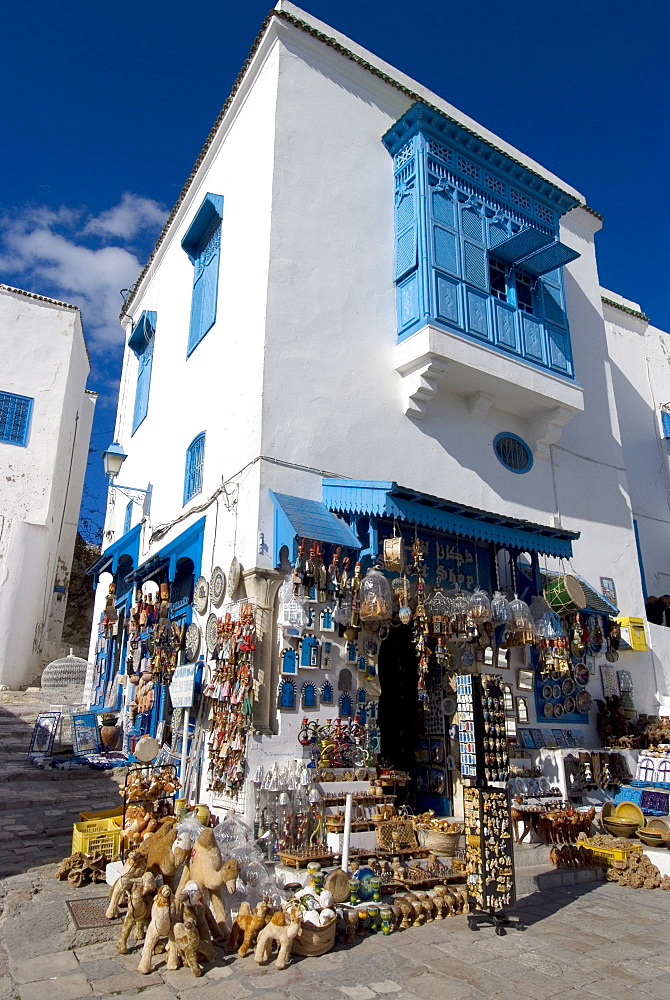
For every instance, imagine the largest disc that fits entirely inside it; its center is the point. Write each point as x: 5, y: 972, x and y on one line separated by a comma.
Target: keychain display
x: 489, y: 846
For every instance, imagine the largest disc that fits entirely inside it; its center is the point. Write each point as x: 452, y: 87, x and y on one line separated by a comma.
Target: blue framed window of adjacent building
x: 195, y: 456
x: 141, y: 343
x: 202, y: 243
x: 15, y: 414
x: 477, y: 248
x: 128, y: 517
x: 665, y: 422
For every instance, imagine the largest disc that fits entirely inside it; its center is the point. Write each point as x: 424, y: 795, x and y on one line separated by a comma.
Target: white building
x: 46, y: 414
x: 361, y: 287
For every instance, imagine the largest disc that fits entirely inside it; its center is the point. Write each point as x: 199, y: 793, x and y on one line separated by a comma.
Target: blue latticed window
x: 202, y: 243
x: 195, y: 456
x: 477, y: 248
x: 15, y: 413
x: 142, y: 344
x: 513, y: 452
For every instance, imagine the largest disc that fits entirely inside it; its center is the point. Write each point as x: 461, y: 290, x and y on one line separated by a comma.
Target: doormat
x: 88, y: 913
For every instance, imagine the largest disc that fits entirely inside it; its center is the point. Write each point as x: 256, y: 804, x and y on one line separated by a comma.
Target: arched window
x: 195, y: 456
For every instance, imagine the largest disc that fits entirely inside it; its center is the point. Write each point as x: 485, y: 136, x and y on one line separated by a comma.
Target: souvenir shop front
x: 143, y: 631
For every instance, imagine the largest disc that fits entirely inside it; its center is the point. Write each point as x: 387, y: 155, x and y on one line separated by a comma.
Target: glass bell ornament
x: 460, y: 615
x: 500, y: 608
x: 402, y: 592
x: 521, y: 617
x: 375, y: 597
x: 480, y: 606
x: 63, y: 680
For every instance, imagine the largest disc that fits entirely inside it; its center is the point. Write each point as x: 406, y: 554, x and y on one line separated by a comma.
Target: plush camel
x: 246, y: 927
x: 161, y: 926
x: 139, y: 911
x: 134, y: 868
x: 283, y: 933
x: 188, y: 941
x: 205, y: 867
x: 191, y: 905
x: 165, y: 852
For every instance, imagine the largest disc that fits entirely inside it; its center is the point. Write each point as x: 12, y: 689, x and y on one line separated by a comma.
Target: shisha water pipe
x: 257, y: 782
x: 315, y: 800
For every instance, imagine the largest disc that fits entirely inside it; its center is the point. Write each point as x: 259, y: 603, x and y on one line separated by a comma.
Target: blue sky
x: 106, y: 106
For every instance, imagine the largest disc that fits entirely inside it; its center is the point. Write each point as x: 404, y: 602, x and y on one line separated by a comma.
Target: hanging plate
x: 211, y: 633
x: 233, y: 578
x: 192, y: 642
x: 217, y: 586
x: 558, y: 711
x: 569, y: 705
x: 201, y: 595
x: 568, y: 685
x: 583, y: 702
x: 548, y: 710
x: 448, y: 707
x: 581, y: 673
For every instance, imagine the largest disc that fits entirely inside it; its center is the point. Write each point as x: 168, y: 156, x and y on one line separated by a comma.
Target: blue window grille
x: 15, y: 413
x: 128, y: 517
x: 665, y: 423
x: 195, y: 456
x: 141, y: 342
x: 475, y: 253
x: 202, y: 243
x: 513, y: 453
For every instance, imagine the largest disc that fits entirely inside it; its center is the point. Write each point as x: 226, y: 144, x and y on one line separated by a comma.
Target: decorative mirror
x: 361, y: 696
x: 287, y: 694
x: 327, y: 694
x: 289, y: 661
x: 308, y: 696
x: 345, y: 707
x: 525, y: 680
x: 521, y: 710
x: 345, y: 680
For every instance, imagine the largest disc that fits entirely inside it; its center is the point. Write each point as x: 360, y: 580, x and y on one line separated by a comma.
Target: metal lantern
x: 63, y: 680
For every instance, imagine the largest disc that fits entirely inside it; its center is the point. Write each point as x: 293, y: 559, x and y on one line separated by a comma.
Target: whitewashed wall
x: 40, y: 485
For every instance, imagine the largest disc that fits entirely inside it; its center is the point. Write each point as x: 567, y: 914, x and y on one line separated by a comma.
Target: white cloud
x: 48, y: 252
x: 126, y: 220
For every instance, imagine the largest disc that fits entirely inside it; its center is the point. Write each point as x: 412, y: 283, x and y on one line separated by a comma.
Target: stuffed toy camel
x: 134, y: 868
x: 246, y: 927
x: 138, y: 914
x: 165, y: 852
x: 205, y: 867
x: 188, y: 941
x: 161, y: 926
x: 281, y: 931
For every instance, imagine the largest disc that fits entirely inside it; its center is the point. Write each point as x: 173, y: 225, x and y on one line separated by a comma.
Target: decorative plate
x: 364, y: 876
x: 581, y: 673
x: 211, y: 633
x: 544, y: 783
x: 546, y: 691
x: 658, y: 824
x: 556, y: 675
x: 467, y: 658
x: 233, y: 577
x: 383, y: 631
x: 568, y: 685
x: 361, y: 773
x: 548, y: 710
x: 370, y: 647
x: 556, y: 691
x: 558, y: 711
x: 192, y: 642
x: 629, y: 810
x: 338, y: 883
x: 449, y: 707
x: 583, y: 702
x: 569, y: 705
x: 201, y: 595
x: 217, y: 586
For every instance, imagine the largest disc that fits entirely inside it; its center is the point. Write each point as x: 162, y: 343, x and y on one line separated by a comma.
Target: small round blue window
x: 514, y: 453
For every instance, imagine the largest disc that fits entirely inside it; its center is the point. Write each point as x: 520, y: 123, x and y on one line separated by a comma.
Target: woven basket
x: 315, y: 941
x: 445, y: 844
x: 396, y: 834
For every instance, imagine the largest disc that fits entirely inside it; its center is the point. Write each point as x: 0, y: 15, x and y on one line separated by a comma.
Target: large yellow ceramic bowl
x: 620, y: 827
x: 629, y: 810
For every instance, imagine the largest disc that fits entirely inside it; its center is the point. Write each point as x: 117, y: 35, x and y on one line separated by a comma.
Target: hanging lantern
x: 480, y: 607
x: 500, y: 609
x: 375, y: 597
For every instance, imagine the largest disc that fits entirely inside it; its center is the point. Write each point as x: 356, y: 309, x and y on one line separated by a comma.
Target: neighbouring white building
x: 367, y: 315
x: 46, y: 414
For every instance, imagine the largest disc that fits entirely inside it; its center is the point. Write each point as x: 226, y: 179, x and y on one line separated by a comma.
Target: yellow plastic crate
x: 105, y: 814
x: 98, y: 836
x: 606, y: 855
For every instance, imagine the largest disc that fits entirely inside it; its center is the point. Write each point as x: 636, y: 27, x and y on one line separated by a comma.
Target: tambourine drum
x: 394, y: 555
x: 146, y: 749
x: 565, y: 594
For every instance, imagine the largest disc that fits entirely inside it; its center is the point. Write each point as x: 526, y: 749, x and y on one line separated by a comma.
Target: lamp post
x: 112, y: 460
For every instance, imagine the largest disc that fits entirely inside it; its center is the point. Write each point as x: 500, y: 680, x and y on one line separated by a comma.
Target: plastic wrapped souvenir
x: 500, y: 608
x: 480, y: 606
x: 375, y: 597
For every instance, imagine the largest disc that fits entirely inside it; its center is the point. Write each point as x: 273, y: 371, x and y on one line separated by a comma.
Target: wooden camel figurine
x: 161, y: 926
x: 138, y: 914
x: 246, y: 926
x: 283, y: 933
x: 205, y: 867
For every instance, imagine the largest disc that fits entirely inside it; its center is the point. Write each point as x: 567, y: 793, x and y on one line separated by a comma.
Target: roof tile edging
x: 626, y: 309
x: 34, y: 295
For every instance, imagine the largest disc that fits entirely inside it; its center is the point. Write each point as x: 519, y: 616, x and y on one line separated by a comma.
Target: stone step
x: 535, y: 878
x: 531, y: 854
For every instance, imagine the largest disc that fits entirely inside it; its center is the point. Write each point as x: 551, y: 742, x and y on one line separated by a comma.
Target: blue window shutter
x: 209, y: 281
x: 202, y: 243
x: 475, y: 258
x: 15, y: 413
x: 665, y: 423
x: 145, y: 362
x: 406, y: 246
x: 552, y: 302
x: 128, y: 517
x: 195, y: 455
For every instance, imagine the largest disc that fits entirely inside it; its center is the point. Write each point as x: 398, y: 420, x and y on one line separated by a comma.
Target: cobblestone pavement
x: 587, y: 941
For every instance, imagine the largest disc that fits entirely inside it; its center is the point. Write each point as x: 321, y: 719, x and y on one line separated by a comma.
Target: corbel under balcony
x: 434, y: 363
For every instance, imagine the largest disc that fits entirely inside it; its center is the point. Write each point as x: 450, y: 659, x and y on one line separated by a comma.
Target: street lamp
x: 112, y: 460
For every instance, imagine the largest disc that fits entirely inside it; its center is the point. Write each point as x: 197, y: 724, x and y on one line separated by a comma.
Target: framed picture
x: 607, y: 589
x: 526, y: 738
x: 559, y: 736
x: 44, y: 733
x: 525, y: 679
x: 538, y: 737
x: 85, y: 733
x: 609, y: 681
x: 625, y: 681
x: 522, y: 710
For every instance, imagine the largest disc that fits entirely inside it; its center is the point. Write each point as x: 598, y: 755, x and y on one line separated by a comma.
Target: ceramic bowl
x: 652, y: 838
x: 620, y: 827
